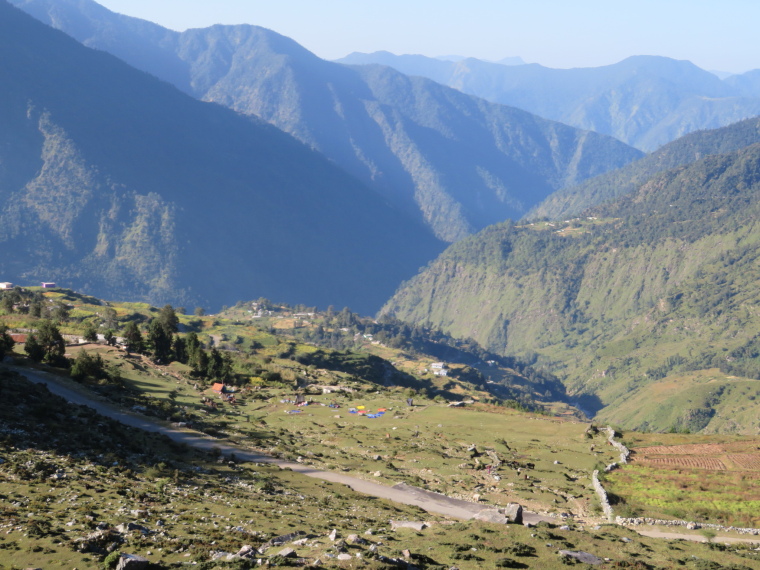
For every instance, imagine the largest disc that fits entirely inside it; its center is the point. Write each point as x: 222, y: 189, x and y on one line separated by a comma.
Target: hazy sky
x: 715, y: 35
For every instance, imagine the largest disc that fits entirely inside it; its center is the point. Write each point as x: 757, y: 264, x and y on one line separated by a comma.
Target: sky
x: 715, y: 35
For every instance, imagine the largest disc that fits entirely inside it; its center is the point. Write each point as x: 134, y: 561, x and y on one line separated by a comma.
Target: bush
x: 110, y: 561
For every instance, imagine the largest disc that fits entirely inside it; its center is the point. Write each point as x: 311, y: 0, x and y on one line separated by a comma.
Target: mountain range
x: 116, y: 183
x: 645, y: 101
x: 456, y: 162
x: 645, y: 305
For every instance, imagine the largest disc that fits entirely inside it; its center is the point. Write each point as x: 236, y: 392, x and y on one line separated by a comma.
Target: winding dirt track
x: 405, y: 494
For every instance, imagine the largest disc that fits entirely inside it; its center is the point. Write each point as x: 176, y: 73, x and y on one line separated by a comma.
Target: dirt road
x: 430, y: 502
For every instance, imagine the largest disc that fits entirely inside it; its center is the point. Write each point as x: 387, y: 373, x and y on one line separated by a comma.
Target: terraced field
x: 710, y: 481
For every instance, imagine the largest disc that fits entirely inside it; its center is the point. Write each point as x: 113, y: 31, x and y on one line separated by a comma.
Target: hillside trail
x: 404, y: 494
x: 400, y: 493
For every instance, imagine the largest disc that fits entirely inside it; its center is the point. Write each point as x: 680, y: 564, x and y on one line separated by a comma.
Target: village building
x: 48, y: 285
x: 6, y: 285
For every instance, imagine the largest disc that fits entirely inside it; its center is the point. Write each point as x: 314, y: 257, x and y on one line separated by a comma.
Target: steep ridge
x: 117, y: 183
x: 646, y: 306
x: 455, y: 161
x: 645, y: 101
x: 570, y: 201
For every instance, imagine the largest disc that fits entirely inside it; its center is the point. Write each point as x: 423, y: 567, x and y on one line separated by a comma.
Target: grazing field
x: 716, y: 482
x: 479, y: 451
x: 78, y: 489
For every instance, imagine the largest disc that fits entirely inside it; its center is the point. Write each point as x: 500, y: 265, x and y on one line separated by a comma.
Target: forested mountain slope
x: 647, y: 306
x: 645, y: 101
x: 572, y: 200
x: 117, y: 183
x: 456, y: 162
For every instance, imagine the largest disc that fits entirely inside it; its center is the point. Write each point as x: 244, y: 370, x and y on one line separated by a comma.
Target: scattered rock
x: 584, y: 557
x: 246, y: 551
x: 344, y: 556
x: 355, y: 539
x: 626, y: 539
x: 333, y: 534
x: 406, y: 554
x: 130, y: 527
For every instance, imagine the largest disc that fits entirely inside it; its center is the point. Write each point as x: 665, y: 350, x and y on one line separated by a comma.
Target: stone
x: 132, y: 562
x: 495, y: 516
x: 344, y: 556
x: 514, y: 513
x: 355, y: 539
x: 129, y: 527
x: 287, y: 553
x: 333, y: 534
x: 246, y: 551
x: 406, y: 554
x: 416, y: 525
x: 580, y: 556
x: 626, y: 539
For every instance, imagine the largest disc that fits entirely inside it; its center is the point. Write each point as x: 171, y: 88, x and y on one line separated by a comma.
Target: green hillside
x: 80, y: 489
x: 657, y: 289
x: 573, y: 200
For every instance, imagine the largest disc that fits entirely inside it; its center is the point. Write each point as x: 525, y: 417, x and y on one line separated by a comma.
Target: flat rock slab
x: 580, y: 556
x: 416, y: 525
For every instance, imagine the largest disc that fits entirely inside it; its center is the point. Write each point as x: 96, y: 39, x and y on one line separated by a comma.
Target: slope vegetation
x: 571, y: 201
x: 646, y: 306
x: 115, y: 182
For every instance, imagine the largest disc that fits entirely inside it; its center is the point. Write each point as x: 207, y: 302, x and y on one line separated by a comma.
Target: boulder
x: 580, y: 556
x: 514, y: 513
x: 132, y: 562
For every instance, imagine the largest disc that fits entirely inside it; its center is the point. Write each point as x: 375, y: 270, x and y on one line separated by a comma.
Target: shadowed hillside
x: 115, y: 182
x: 456, y: 162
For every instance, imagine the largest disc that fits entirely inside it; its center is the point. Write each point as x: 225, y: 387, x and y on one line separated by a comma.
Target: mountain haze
x: 456, y: 162
x: 646, y: 307
x: 116, y: 183
x: 645, y: 101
